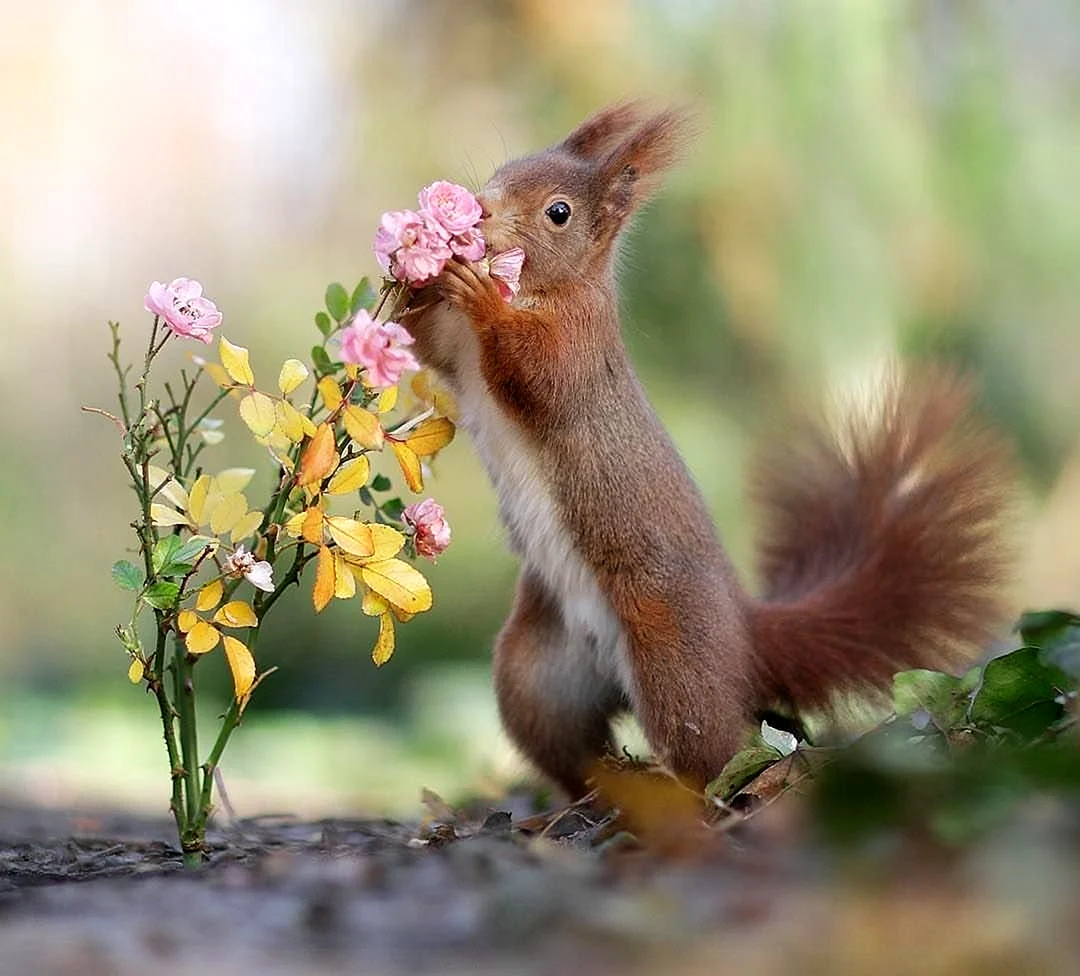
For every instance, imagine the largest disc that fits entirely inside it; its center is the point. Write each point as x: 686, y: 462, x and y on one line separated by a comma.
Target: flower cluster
x: 414, y: 245
x: 379, y: 347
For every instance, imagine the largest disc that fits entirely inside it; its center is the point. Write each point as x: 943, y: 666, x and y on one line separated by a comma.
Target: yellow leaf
x: 309, y: 425
x: 312, y: 526
x: 403, y: 615
x: 167, y: 487
x: 218, y: 375
x: 227, y: 513
x: 387, y: 400
x: 241, y: 664
x: 363, y: 426
x: 352, y: 370
x: 246, y: 526
x: 186, y: 619
x: 202, y: 638
x: 235, y: 361
x: 257, y: 410
x: 136, y: 671
x: 163, y: 515
x: 318, y: 458
x: 197, y: 498
x: 294, y: 524
x: 344, y: 581
x: 350, y: 476
x: 236, y: 613
x: 290, y: 422
x: 430, y: 437
x: 384, y: 646
x: 293, y: 373
x: 233, y: 479
x: 330, y: 393
x: 401, y: 584
x: 209, y: 596
x: 324, y: 587
x: 373, y: 605
x: 388, y: 541
x: 410, y: 465
x: 354, y: 537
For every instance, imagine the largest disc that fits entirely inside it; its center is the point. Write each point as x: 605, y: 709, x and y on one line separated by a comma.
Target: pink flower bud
x: 379, y: 348
x: 181, y: 306
x: 428, y: 521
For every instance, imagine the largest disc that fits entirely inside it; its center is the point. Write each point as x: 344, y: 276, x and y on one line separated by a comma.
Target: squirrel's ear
x: 635, y: 167
x: 600, y: 133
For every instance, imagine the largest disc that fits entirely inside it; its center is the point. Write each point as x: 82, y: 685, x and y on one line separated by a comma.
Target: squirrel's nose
x: 484, y: 211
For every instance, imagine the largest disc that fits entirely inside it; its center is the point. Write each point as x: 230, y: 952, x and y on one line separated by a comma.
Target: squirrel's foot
x: 468, y: 285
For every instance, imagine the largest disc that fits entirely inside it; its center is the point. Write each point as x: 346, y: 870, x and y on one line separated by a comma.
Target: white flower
x: 258, y: 573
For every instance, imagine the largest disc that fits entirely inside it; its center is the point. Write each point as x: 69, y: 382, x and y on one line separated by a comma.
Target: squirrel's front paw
x: 467, y: 285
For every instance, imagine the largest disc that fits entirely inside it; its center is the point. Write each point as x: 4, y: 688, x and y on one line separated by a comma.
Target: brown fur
x: 880, y: 550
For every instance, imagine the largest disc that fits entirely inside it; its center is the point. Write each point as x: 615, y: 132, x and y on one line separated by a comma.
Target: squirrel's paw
x: 469, y: 286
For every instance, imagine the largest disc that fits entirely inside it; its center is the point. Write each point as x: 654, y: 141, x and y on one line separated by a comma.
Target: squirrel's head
x: 566, y: 206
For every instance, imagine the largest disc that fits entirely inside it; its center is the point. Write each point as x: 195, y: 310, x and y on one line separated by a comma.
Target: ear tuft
x: 598, y: 134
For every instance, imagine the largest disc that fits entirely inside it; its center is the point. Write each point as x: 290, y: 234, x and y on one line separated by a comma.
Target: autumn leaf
x: 354, y: 537
x: 233, y: 479
x: 235, y: 361
x: 318, y: 458
x: 387, y: 400
x: 352, y: 475
x: 430, y: 437
x: 290, y: 422
x: 410, y: 465
x: 363, y: 427
x: 227, y: 513
x: 135, y: 671
x: 236, y: 613
x: 323, y: 590
x: 387, y: 540
x: 258, y: 411
x: 164, y: 516
x: 401, y: 584
x: 202, y: 637
x: 246, y: 526
x: 330, y: 393
x: 344, y: 581
x: 241, y: 665
x: 293, y: 373
x: 209, y: 596
x: 384, y: 645
x: 373, y: 605
x: 311, y: 526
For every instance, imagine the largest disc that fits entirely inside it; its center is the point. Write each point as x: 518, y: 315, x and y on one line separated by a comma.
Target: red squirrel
x: 880, y: 546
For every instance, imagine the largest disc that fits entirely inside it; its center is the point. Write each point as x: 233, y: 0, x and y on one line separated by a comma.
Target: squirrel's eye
x: 558, y: 213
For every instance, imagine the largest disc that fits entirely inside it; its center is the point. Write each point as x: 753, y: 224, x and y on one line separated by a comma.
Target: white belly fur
x: 535, y: 523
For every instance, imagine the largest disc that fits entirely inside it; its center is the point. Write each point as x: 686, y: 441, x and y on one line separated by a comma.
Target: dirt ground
x: 100, y: 893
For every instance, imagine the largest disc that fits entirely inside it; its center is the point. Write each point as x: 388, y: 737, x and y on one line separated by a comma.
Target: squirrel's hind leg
x: 554, y: 703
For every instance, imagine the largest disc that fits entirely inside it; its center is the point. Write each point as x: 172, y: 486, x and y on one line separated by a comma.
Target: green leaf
x: 192, y: 548
x: 165, y: 550
x: 1019, y: 692
x: 128, y: 576
x: 1057, y: 633
x: 393, y: 509
x: 363, y: 296
x: 943, y: 696
x: 337, y: 301
x: 744, y: 766
x: 380, y: 483
x: 323, y: 323
x: 321, y: 361
x: 162, y: 595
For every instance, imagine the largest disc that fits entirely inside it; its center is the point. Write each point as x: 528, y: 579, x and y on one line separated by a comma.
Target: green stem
x: 168, y: 722
x: 191, y: 841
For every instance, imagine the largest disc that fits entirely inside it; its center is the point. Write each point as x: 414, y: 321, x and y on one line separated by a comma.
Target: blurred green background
x: 871, y: 176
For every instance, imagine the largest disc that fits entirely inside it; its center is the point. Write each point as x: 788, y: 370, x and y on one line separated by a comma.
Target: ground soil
x: 484, y: 892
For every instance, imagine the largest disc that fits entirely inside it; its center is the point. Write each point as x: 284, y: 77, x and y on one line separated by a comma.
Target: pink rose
x: 469, y: 244
x: 379, y: 348
x: 182, y: 307
x: 428, y: 521
x: 410, y: 246
x: 452, y: 206
x: 505, y: 268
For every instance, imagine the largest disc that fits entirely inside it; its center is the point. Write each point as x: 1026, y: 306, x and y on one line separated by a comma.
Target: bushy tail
x: 882, y: 544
